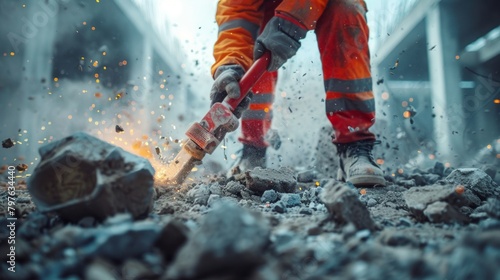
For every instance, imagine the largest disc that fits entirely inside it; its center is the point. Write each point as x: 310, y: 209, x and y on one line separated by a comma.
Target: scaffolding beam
x: 417, y: 15
x: 447, y: 99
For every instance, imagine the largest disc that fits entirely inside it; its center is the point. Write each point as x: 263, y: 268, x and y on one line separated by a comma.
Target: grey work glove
x: 227, y: 84
x: 281, y: 37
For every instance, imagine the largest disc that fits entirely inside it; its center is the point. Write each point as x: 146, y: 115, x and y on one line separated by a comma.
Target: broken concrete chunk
x: 491, y: 208
x: 419, y: 179
x: 418, y: 198
x: 345, y: 207
x: 408, y: 183
x: 172, y: 237
x: 290, y: 200
x: 491, y: 170
x: 269, y: 196
x: 305, y: 211
x: 215, y: 189
x: 213, y: 199
x: 120, y: 241
x: 279, y: 207
x: 431, y: 178
x: 442, y: 212
x: 282, y: 180
x: 476, y: 180
x: 307, y: 176
x: 229, y: 241
x: 371, y: 202
x: 81, y: 176
x: 199, y: 194
x: 438, y: 168
x: 393, y: 237
x: 234, y: 187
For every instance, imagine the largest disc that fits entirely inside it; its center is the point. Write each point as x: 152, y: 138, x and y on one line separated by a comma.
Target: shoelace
x: 358, y: 149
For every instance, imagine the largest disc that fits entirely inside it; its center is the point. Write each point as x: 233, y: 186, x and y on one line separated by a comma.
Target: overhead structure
x: 437, y: 59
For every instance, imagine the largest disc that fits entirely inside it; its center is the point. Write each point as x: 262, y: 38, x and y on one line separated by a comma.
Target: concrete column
x: 38, y: 33
x: 142, y: 75
x: 447, y: 97
x: 41, y: 27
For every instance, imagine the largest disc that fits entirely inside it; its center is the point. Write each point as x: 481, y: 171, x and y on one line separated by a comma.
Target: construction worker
x: 247, y: 28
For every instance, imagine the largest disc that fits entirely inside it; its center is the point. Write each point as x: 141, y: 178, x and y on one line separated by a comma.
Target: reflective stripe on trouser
x: 256, y: 121
x: 342, y: 35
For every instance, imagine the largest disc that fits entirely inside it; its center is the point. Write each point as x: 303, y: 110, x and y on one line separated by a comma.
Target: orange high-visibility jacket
x: 240, y: 20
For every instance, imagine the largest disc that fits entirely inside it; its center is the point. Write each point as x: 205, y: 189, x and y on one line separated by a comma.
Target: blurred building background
x: 436, y: 68
x: 91, y: 66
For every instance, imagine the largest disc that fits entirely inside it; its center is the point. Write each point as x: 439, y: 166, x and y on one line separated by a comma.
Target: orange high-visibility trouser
x: 342, y: 35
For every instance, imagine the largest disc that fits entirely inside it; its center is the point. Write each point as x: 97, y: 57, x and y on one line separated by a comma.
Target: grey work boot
x: 250, y: 158
x: 357, y: 164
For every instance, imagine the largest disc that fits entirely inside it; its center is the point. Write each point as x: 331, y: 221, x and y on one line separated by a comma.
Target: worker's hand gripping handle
x: 258, y: 68
x: 211, y: 130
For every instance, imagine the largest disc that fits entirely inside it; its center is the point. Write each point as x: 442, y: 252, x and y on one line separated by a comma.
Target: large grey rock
x: 442, y: 212
x: 475, y: 180
x: 281, y: 180
x: 230, y: 241
x: 81, y: 176
x: 345, y: 207
x: 419, y: 198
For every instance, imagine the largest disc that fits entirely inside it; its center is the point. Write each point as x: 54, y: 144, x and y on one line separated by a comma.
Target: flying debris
x: 21, y: 167
x: 411, y: 111
x: 433, y: 47
x: 119, y: 95
x: 380, y: 81
x: 7, y: 143
x: 396, y: 64
x: 119, y: 129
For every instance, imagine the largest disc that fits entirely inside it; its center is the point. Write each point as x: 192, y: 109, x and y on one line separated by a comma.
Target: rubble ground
x: 263, y: 224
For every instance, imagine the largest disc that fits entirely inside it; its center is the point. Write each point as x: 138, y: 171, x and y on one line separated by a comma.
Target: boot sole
x: 367, y: 180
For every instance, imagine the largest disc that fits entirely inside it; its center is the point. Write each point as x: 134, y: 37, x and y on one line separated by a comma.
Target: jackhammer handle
x: 258, y: 68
